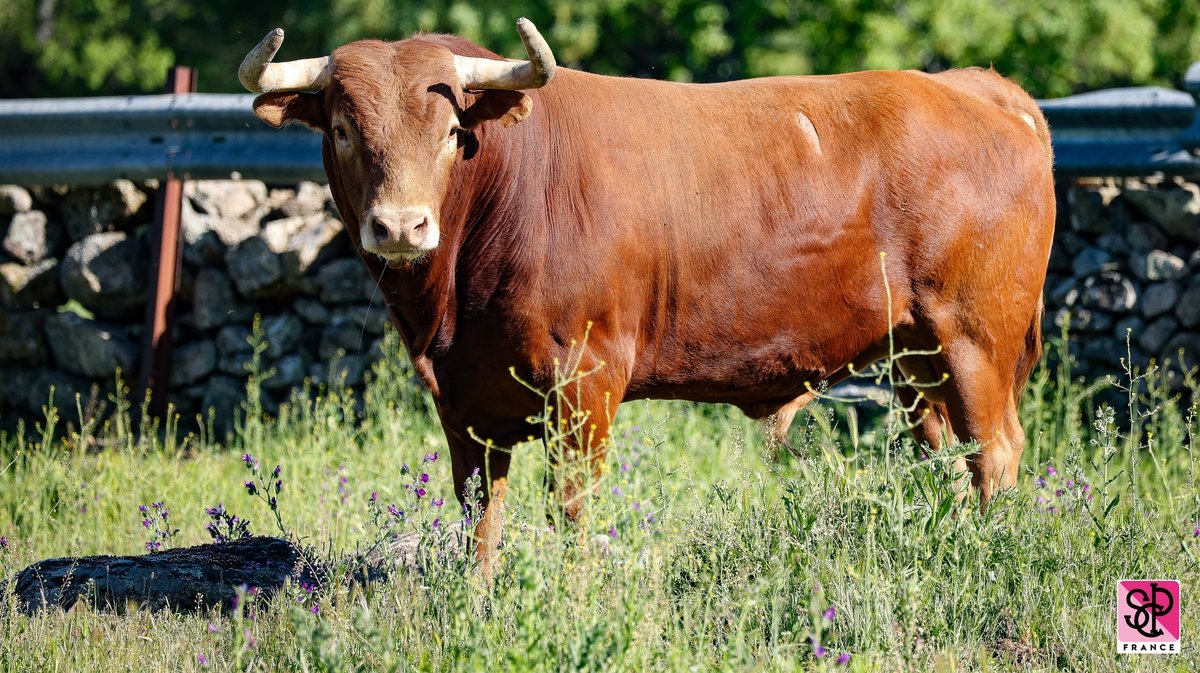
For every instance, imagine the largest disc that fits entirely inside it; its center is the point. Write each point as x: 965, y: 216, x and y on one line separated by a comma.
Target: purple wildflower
x: 213, y: 628
x: 391, y: 509
x: 612, y: 531
x: 819, y: 650
x: 201, y: 659
x: 616, y: 490
x: 436, y: 523
x: 424, y: 478
x: 1040, y: 482
x: 251, y: 641
x: 438, y: 502
x: 374, y: 496
x: 316, y: 609
x: 420, y: 493
x: 4, y: 539
x: 843, y: 659
x: 142, y: 508
x: 153, y: 545
x: 276, y: 471
x: 431, y: 457
x: 830, y: 613
x: 250, y: 487
x: 1051, y: 471
x: 1195, y: 533
x: 146, y: 523
x: 625, y: 467
x: 248, y: 459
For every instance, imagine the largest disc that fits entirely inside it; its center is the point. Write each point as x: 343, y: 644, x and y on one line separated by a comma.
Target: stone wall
x: 1125, y: 259
x: 74, y: 276
x: 75, y: 273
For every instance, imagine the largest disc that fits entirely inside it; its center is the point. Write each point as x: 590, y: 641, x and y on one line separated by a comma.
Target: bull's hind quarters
x: 502, y: 205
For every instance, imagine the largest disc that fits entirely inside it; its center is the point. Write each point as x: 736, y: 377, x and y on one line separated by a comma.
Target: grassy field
x: 705, y: 548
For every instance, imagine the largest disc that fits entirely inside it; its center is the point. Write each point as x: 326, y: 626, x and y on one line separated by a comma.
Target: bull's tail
x: 1031, y: 352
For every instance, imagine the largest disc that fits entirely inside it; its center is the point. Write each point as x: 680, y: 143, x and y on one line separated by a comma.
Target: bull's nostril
x: 420, y: 228
x: 379, y: 230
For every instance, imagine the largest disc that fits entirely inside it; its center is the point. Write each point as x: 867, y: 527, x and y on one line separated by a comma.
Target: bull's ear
x: 277, y: 109
x: 508, y: 107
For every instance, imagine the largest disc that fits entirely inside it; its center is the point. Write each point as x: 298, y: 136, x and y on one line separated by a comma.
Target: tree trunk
x: 206, y: 576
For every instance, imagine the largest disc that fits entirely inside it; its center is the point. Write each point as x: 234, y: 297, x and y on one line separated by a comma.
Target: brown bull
x: 722, y: 241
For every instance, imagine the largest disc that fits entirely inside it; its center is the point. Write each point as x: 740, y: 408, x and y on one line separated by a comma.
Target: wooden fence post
x: 166, y: 252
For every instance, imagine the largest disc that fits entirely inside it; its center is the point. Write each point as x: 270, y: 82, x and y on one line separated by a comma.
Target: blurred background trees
x: 88, y: 47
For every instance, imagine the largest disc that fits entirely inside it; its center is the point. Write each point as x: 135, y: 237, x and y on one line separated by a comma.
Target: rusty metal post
x: 166, y: 252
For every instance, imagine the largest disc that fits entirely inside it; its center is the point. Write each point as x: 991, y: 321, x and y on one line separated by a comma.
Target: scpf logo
x: 1148, y: 616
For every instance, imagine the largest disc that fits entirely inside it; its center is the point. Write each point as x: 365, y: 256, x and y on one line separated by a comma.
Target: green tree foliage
x: 79, y: 47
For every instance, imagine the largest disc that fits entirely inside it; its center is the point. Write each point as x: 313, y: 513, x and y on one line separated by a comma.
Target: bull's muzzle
x: 393, y: 233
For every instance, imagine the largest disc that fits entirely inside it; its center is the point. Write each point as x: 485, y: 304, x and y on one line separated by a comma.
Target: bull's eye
x: 339, y: 133
x: 455, y: 134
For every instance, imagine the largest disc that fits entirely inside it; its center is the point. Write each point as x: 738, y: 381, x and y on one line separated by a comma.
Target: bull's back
x: 743, y: 222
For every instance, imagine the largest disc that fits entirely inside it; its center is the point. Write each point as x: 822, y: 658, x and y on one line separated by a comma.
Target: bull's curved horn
x: 486, y: 73
x: 259, y: 75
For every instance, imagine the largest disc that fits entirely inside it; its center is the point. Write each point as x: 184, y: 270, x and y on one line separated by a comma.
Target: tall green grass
x: 704, y: 548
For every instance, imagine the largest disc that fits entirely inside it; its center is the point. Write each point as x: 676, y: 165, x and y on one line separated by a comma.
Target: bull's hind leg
x: 979, y: 401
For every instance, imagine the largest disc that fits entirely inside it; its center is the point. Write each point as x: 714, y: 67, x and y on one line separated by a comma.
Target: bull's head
x: 394, y: 122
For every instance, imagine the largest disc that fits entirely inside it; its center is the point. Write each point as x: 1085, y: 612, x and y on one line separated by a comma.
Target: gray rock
x: 14, y: 389
x: 1070, y: 241
x: 14, y: 199
x: 345, y: 337
x: 304, y: 242
x: 344, y: 371
x: 236, y: 364
x: 30, y: 286
x: 1130, y: 326
x: 107, y: 273
x: 282, y: 333
x: 290, y: 371
x: 341, y: 281
x: 1189, y: 344
x: 370, y: 319
x: 229, y: 200
x: 1145, y: 236
x: 1083, y: 320
x: 192, y: 362
x: 1085, y: 207
x: 29, y: 238
x: 313, y: 311
x: 234, y: 339
x: 256, y: 270
x: 1156, y: 334
x: 90, y: 348
x: 1109, y: 291
x: 1157, y: 265
x: 1106, y: 353
x: 60, y: 389
x: 23, y: 339
x: 92, y: 210
x: 1176, y: 209
x: 308, y: 198
x: 224, y: 396
x: 1060, y: 260
x: 1187, y: 309
x: 1113, y: 244
x: 1065, y: 293
x: 213, y: 301
x: 1159, y: 298
x: 1091, y: 261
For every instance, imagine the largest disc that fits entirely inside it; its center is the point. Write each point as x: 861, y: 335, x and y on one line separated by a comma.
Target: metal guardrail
x: 1117, y: 132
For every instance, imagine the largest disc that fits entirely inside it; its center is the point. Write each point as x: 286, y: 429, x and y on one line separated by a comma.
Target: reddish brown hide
x: 723, y: 241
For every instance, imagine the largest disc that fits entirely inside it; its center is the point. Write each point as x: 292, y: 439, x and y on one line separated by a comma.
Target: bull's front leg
x: 469, y: 461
